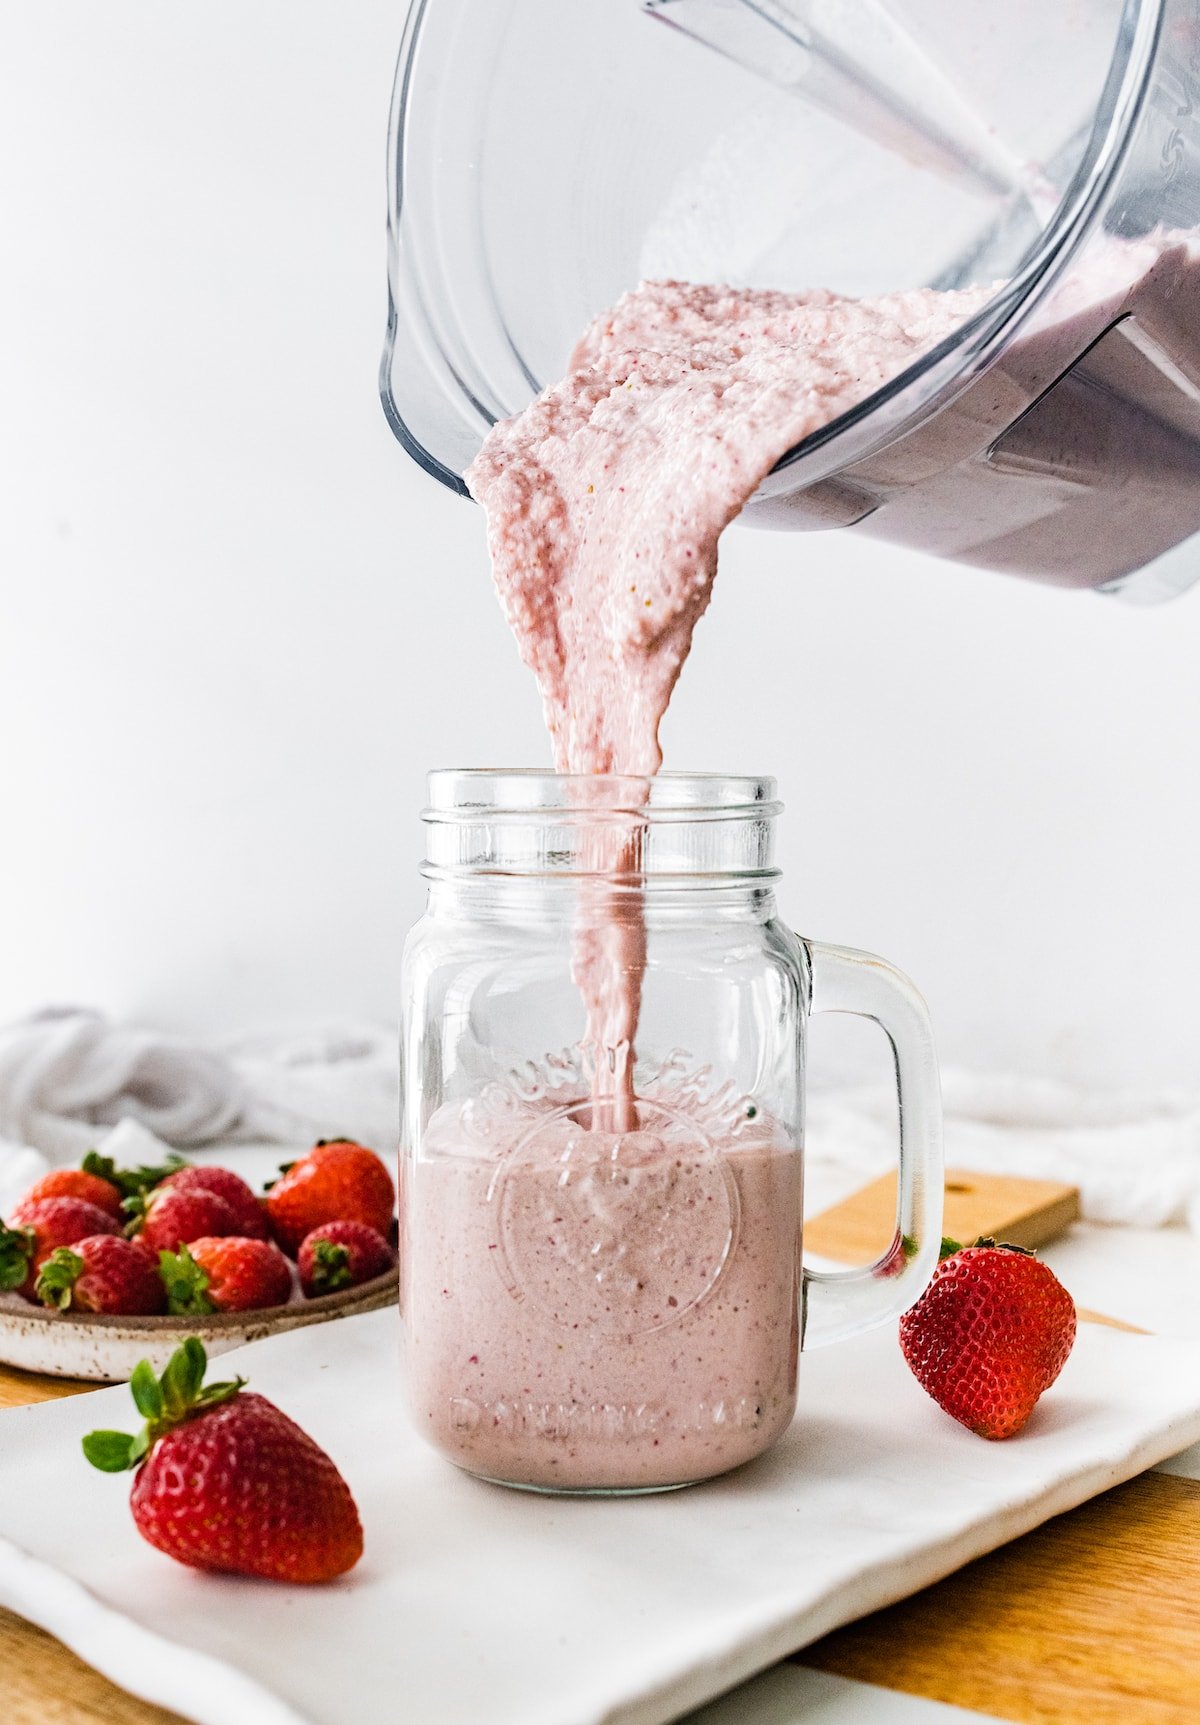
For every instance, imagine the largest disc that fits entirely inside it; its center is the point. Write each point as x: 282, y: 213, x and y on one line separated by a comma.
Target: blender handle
x: 842, y: 1303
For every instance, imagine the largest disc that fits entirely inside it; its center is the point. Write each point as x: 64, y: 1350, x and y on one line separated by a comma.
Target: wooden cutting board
x: 977, y: 1206
x: 1093, y: 1619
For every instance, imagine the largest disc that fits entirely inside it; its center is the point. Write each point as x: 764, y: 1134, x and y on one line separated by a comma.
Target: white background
x: 237, y: 625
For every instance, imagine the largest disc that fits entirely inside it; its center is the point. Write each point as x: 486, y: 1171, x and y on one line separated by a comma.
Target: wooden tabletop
x: 1093, y: 1619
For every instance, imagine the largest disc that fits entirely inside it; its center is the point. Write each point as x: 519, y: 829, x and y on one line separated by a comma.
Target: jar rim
x: 469, y: 793
x: 526, y: 824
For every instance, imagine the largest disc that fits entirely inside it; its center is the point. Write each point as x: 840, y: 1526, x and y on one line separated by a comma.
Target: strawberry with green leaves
x: 227, y: 1482
x: 103, y: 1273
x: 225, y: 1274
x: 342, y: 1255
x: 39, y: 1227
x: 989, y: 1335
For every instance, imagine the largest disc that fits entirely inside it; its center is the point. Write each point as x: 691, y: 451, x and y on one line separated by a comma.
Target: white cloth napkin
x: 1134, y: 1155
x: 68, y: 1077
x: 476, y: 1604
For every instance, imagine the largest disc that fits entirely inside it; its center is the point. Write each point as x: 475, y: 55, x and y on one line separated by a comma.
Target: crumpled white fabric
x: 1135, y: 1155
x: 69, y: 1076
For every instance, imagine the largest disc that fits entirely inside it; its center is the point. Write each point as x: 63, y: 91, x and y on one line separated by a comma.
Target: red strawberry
x: 246, y: 1205
x: 226, y: 1482
x: 74, y: 1183
x: 225, y: 1274
x: 342, y: 1255
x: 338, y: 1181
x: 990, y: 1333
x: 104, y: 1273
x: 38, y: 1227
x: 59, y: 1215
x: 171, y: 1219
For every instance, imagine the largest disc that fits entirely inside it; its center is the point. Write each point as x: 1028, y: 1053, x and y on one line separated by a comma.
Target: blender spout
x: 861, y: 64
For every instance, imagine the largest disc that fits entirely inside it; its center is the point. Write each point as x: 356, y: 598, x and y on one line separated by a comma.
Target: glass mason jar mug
x: 604, y: 1032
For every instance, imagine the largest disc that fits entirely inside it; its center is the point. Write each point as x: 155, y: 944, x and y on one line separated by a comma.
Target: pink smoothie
x: 606, y: 498
x: 586, y: 1310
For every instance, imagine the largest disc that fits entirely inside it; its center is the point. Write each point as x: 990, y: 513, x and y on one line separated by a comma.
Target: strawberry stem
x: 55, y: 1285
x: 16, y: 1250
x: 1005, y: 1246
x: 131, y: 1182
x: 179, y: 1395
x: 331, y: 1267
x: 186, y: 1283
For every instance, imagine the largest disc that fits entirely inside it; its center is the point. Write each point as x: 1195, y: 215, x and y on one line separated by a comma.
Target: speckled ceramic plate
x: 106, y: 1349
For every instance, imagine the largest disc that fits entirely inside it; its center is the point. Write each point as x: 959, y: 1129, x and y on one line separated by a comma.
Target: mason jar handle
x: 842, y: 1303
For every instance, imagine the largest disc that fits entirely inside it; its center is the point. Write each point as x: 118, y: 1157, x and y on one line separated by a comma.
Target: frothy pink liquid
x: 589, y: 1311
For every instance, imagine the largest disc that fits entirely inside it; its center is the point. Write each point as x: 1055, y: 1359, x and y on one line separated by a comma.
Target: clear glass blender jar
x: 545, y: 155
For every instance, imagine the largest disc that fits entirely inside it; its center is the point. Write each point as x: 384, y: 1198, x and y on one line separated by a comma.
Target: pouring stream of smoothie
x: 607, y: 496
x: 606, y: 499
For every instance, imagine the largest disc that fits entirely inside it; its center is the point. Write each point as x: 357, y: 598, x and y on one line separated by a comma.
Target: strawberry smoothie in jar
x: 602, y: 1284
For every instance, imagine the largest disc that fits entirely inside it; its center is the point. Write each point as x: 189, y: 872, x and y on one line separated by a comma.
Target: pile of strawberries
x: 195, y: 1240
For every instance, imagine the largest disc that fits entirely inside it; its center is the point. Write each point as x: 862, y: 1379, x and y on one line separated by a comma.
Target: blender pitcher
x: 546, y: 155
